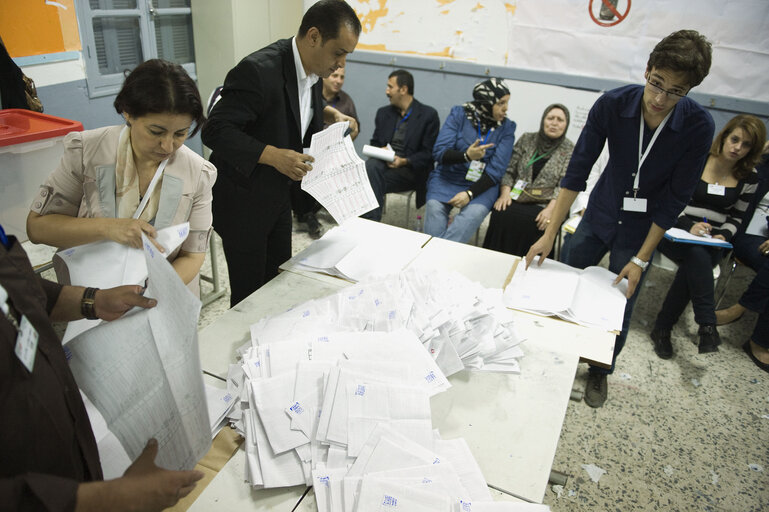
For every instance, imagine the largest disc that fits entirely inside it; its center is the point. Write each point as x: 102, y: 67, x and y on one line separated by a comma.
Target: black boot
x: 709, y: 339
x: 662, y: 344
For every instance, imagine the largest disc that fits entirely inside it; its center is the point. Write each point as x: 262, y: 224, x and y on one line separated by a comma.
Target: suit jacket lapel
x: 292, y: 87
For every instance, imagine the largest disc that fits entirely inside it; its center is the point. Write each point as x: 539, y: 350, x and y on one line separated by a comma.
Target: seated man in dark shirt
x: 47, y: 448
x: 410, y: 128
x: 658, y: 141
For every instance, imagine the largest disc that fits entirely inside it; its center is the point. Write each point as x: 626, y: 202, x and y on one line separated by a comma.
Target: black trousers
x: 255, y: 226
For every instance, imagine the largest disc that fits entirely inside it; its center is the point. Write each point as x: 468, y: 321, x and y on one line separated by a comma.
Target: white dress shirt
x: 304, y: 83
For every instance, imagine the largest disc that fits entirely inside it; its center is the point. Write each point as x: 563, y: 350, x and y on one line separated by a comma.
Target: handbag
x: 30, y: 91
x: 536, y: 195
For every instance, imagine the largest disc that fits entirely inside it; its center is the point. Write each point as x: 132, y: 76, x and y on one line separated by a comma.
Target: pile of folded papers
x: 335, y: 392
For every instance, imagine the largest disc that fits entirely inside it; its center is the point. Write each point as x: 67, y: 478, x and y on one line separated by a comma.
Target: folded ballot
x: 586, y: 297
x: 386, y: 154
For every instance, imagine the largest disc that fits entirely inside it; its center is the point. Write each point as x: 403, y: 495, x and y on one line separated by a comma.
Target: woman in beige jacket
x: 117, y: 182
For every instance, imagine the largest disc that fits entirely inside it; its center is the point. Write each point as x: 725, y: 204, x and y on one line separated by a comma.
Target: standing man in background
x: 410, y: 128
x: 658, y: 142
x: 271, y: 106
x: 303, y: 204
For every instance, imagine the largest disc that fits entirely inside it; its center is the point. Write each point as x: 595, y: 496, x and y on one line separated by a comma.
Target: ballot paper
x: 360, y: 249
x: 142, y: 371
x: 384, y: 495
x: 106, y: 264
x: 586, y: 297
x: 386, y: 154
x: 682, y: 236
x: 338, y: 179
x: 219, y: 402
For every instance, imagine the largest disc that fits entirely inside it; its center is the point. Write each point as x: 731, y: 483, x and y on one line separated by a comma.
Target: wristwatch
x: 469, y: 194
x: 638, y: 261
x: 87, y: 304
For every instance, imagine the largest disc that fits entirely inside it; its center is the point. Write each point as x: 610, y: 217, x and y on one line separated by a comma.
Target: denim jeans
x: 585, y: 250
x: 465, y: 223
x: 385, y: 180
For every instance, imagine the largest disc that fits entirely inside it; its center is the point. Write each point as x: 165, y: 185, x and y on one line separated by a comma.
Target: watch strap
x: 87, y: 304
x: 638, y: 261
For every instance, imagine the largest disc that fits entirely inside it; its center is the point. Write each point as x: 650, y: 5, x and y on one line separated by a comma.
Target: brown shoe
x: 730, y: 314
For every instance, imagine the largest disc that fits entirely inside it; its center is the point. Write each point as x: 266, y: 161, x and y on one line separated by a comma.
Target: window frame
x: 100, y: 84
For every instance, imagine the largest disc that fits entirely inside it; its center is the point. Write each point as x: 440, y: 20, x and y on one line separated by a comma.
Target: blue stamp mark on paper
x: 297, y: 408
x: 183, y: 231
x: 426, y: 481
x: 377, y: 302
x: 391, y: 315
x: 466, y: 506
x: 324, y: 339
x: 324, y: 480
x: 430, y: 377
x: 306, y: 314
x: 390, y: 501
x: 360, y: 390
x: 227, y: 398
x: 437, y: 461
x: 257, y: 364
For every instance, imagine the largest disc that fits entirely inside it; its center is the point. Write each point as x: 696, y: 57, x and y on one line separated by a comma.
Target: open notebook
x: 586, y: 297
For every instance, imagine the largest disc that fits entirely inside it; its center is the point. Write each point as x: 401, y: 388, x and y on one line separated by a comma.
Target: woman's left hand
x: 720, y: 237
x: 460, y: 200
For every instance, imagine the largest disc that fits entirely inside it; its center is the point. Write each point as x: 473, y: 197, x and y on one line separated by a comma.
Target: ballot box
x: 31, y: 145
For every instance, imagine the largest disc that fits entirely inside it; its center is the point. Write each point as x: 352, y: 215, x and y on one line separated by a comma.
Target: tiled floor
x: 688, y: 434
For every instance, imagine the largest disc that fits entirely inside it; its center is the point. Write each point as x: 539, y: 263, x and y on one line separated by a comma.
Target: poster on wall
x: 610, y: 39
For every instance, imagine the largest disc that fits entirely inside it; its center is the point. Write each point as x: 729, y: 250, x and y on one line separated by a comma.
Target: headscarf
x: 544, y: 143
x: 485, y: 95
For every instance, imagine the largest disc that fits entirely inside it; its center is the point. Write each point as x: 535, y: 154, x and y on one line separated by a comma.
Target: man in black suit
x: 271, y: 105
x: 410, y: 128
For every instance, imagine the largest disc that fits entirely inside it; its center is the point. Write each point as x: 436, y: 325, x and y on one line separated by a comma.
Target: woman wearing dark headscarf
x: 530, y: 185
x: 472, y: 150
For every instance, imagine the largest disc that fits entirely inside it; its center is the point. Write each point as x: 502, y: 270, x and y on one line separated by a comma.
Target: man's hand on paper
x: 286, y: 161
x: 541, y: 248
x: 112, y: 303
x: 144, y: 486
x: 632, y: 272
x: 129, y: 232
x: 397, y: 162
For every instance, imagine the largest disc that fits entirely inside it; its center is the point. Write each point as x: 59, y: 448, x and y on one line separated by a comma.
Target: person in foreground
x: 658, y: 140
x: 47, y: 448
x: 472, y: 150
x: 530, y: 185
x: 117, y: 182
x: 271, y: 105
x: 410, y: 128
x: 716, y: 210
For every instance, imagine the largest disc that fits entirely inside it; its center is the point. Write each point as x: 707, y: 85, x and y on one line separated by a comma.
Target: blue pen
x: 703, y: 233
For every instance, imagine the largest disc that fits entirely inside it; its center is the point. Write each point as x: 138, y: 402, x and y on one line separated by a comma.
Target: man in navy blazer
x: 410, y: 128
x: 270, y: 107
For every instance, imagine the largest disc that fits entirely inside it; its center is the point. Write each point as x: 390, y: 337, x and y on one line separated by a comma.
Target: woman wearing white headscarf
x: 472, y: 151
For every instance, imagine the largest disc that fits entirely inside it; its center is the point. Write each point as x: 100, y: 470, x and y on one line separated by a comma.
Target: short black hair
x: 328, y: 16
x: 157, y: 86
x: 684, y: 51
x: 403, y: 77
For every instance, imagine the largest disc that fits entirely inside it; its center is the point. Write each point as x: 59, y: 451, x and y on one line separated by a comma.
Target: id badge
x: 26, y: 343
x: 475, y: 171
x: 517, y: 190
x: 716, y: 190
x: 634, y: 204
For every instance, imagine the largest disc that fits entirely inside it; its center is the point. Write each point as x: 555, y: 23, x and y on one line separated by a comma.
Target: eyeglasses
x: 659, y: 90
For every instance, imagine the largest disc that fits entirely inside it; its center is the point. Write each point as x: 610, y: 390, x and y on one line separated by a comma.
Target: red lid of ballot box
x: 18, y: 126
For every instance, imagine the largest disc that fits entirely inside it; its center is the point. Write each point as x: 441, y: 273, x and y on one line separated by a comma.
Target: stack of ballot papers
x: 586, y: 297
x: 335, y: 392
x: 359, y: 249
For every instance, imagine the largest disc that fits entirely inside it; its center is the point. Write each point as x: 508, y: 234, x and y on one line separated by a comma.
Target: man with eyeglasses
x: 658, y: 141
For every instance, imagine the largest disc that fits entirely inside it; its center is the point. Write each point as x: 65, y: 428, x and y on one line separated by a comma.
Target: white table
x: 512, y: 423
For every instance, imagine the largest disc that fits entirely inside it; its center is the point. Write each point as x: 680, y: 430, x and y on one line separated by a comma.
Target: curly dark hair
x: 684, y: 51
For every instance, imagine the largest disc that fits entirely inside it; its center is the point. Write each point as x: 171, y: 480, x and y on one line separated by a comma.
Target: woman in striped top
x: 716, y: 209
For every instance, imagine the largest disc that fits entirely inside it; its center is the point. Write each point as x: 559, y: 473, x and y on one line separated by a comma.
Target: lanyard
x: 402, y: 119
x: 150, y: 188
x: 643, y: 154
x: 534, y: 158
